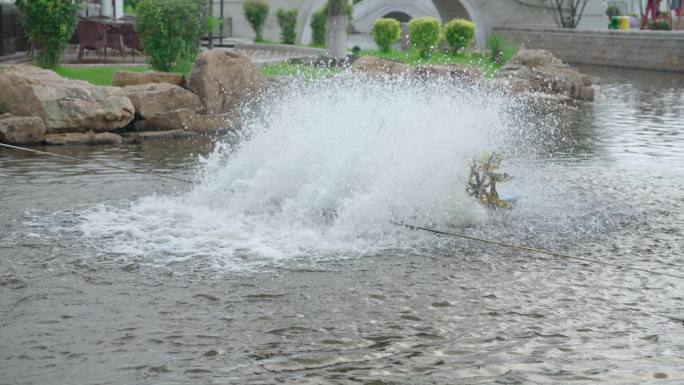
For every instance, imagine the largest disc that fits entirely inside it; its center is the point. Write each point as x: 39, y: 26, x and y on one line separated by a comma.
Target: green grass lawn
x: 298, y: 70
x: 413, y: 58
x: 100, y: 75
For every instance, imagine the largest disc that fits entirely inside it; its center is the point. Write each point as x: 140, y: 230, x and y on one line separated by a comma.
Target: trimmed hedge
x: 287, y: 20
x: 424, y: 34
x: 459, y: 34
x: 170, y: 32
x: 256, y: 13
x: 386, y: 32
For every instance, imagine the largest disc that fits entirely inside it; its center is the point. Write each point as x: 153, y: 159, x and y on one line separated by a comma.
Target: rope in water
x: 535, y: 250
x: 412, y: 227
x: 97, y: 163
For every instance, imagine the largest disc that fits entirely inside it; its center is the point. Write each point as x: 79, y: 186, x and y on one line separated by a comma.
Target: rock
x: 128, y: 78
x: 64, y: 105
x: 540, y: 71
x: 373, y: 66
x: 21, y: 129
x: 143, y: 136
x: 83, y: 138
x: 541, y: 104
x: 155, y: 98
x: 184, y: 119
x: 224, y: 80
x: 534, y: 58
x: 448, y: 71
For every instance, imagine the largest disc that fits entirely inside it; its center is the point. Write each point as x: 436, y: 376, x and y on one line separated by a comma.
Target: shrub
x: 48, y: 25
x: 318, y: 27
x: 385, y: 33
x: 424, y: 34
x: 287, y: 20
x: 256, y: 13
x: 459, y: 34
x: 502, y: 50
x: 170, y: 31
x: 613, y: 10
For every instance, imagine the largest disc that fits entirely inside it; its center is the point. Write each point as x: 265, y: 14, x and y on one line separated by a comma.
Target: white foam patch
x: 321, y: 171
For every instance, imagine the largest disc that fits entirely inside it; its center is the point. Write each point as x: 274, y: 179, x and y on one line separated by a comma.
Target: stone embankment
x: 39, y: 107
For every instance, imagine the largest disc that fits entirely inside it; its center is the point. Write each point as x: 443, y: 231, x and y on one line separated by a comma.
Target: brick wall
x: 653, y: 50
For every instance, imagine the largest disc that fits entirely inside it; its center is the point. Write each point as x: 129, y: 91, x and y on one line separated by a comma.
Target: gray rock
x: 184, y: 119
x: 21, y: 130
x: 155, y: 98
x: 64, y: 105
x: 224, y: 80
x: 369, y: 65
x: 83, y: 138
x: 128, y: 78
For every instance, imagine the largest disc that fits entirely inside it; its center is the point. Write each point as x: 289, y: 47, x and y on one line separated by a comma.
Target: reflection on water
x: 71, y: 312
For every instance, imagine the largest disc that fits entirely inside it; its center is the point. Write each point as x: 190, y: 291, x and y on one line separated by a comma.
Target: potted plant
x: 613, y: 12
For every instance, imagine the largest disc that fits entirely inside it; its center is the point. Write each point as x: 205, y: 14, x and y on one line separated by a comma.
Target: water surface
x: 105, y: 278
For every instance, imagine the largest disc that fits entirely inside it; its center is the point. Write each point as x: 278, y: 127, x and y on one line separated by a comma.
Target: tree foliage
x: 170, y: 31
x: 256, y: 13
x: 424, y: 34
x: 568, y: 13
x: 385, y: 33
x: 459, y: 34
x: 48, y: 25
x: 287, y: 20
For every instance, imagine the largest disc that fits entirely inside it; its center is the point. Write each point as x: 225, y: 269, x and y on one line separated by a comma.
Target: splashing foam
x: 321, y: 170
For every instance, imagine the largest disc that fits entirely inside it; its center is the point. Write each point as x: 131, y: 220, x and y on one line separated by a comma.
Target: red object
x: 678, y: 14
x: 91, y: 36
x: 652, y: 7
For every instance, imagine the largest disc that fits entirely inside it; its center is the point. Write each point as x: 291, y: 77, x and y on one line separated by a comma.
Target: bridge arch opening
x: 399, y: 16
x: 366, y: 12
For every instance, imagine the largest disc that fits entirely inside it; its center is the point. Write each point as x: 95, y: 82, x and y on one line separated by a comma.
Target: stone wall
x: 652, y: 50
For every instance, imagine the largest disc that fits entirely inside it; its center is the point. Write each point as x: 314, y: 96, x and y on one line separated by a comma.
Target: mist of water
x: 322, y: 170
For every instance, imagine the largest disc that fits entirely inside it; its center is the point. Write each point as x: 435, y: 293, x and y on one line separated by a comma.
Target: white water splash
x: 322, y: 171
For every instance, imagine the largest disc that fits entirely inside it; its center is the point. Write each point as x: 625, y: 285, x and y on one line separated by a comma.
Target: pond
x: 281, y: 266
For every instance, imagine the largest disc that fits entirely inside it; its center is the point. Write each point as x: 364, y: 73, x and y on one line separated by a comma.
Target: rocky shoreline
x: 38, y: 107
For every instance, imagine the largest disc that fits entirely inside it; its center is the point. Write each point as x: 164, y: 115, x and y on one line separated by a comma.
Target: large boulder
x: 539, y: 71
x: 83, y: 138
x: 129, y: 78
x: 144, y: 136
x: 224, y: 80
x: 63, y: 105
x: 459, y: 72
x: 373, y: 66
x: 155, y: 98
x: 21, y: 129
x: 184, y: 119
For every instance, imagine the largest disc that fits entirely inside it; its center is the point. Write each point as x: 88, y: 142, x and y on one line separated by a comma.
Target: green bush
x: 48, y: 25
x: 502, y: 50
x: 424, y: 34
x: 318, y: 27
x: 170, y: 32
x: 459, y: 34
x: 287, y: 20
x: 612, y: 10
x: 256, y: 13
x: 385, y: 33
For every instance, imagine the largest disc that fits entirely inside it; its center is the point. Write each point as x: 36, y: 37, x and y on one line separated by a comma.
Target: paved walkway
x: 259, y: 54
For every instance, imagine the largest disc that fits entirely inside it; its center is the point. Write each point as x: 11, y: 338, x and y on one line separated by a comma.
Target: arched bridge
x: 486, y: 14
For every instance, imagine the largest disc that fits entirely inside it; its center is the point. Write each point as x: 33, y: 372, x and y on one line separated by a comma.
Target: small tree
x: 256, y: 13
x: 48, y: 25
x: 385, y: 33
x: 424, y: 34
x: 318, y: 27
x: 170, y: 32
x: 568, y: 13
x: 459, y: 34
x: 287, y: 20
